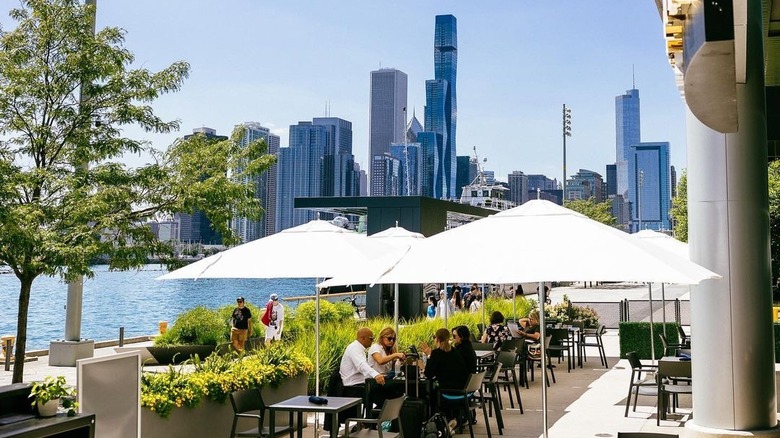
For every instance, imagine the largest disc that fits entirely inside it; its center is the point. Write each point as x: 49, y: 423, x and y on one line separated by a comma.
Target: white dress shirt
x: 354, y: 367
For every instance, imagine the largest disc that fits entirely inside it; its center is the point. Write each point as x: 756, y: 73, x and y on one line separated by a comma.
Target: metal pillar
x: 733, y: 353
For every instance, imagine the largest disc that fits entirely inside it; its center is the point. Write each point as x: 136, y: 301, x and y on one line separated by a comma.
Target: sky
x: 280, y: 62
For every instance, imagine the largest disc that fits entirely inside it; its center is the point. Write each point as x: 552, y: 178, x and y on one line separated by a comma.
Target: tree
x: 598, y: 211
x: 65, y: 196
x: 679, y: 210
x: 774, y: 216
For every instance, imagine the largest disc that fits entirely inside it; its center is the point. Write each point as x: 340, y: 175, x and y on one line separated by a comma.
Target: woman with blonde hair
x: 384, y: 352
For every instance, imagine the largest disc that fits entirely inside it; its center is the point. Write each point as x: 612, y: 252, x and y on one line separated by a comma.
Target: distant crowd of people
x: 471, y: 301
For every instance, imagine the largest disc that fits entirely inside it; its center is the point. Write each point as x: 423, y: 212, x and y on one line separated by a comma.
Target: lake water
x: 132, y: 299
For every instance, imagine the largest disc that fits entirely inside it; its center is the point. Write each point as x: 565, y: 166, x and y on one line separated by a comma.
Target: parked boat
x: 480, y: 193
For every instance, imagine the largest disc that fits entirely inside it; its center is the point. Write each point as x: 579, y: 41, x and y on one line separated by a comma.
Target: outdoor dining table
x: 484, y: 354
x: 300, y: 404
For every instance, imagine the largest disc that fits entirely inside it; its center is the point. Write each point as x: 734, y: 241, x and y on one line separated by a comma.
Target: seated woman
x: 445, y: 366
x: 462, y: 340
x: 383, y: 354
x: 529, y: 330
x: 496, y: 332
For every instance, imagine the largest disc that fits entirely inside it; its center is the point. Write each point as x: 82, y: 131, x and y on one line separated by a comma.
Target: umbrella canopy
x: 541, y: 241
x: 398, y: 235
x: 316, y: 249
x: 664, y: 241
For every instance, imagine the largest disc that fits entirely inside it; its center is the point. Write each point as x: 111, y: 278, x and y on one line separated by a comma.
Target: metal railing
x: 613, y: 313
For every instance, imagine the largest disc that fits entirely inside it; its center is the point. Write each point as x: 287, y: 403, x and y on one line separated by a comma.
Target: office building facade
x: 518, y: 187
x: 585, y: 184
x: 387, y: 115
x: 649, y: 173
x: 627, y: 128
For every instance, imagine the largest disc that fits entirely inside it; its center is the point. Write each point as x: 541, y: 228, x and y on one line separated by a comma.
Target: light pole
x: 566, y: 133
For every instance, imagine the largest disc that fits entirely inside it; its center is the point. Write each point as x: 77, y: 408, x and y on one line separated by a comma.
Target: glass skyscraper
x: 628, y: 134
x: 441, y: 105
x: 649, y: 173
x: 300, y: 172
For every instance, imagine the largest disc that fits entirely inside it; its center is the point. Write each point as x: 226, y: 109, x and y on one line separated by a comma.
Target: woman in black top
x: 445, y: 364
x: 462, y: 340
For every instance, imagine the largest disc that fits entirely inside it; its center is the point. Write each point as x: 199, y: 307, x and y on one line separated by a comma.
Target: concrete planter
x: 210, y: 419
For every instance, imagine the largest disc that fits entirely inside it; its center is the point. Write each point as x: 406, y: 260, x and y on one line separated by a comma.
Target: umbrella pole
x: 514, y: 304
x: 484, y: 303
x: 542, y: 337
x: 395, y: 305
x: 446, y: 306
x: 317, y: 340
x: 663, y: 303
x: 652, y: 335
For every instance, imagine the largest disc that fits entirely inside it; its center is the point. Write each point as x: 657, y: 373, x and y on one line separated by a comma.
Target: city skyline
x: 264, y: 62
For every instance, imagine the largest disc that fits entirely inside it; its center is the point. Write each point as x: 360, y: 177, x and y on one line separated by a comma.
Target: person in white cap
x: 276, y: 321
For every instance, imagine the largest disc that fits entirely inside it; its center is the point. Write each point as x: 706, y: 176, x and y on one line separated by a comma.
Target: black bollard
x: 121, y: 336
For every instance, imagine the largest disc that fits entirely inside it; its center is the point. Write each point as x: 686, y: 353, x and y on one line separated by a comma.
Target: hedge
x: 635, y: 336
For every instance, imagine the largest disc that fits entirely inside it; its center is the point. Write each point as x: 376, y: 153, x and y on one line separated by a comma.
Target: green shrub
x: 197, y: 326
x: 329, y: 312
x: 635, y: 336
x: 216, y: 377
x: 226, y: 312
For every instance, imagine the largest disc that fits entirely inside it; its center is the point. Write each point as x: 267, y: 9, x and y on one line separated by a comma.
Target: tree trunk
x: 21, y: 328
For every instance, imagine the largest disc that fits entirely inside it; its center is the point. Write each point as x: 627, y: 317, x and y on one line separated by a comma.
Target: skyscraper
x: 585, y: 184
x: 441, y: 104
x: 247, y: 229
x: 627, y: 128
x: 386, y: 115
x: 518, y: 187
x: 650, y: 174
x: 300, y: 172
x: 338, y: 173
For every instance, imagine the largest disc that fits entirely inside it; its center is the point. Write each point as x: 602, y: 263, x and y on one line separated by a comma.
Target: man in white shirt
x: 274, y: 330
x: 354, y: 369
x: 444, y: 308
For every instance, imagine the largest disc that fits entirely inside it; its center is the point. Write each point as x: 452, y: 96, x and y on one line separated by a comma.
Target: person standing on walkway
x: 275, y: 320
x: 444, y: 308
x: 241, y: 325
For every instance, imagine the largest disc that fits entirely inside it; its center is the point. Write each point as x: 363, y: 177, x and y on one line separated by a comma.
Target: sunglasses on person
x: 390, y: 338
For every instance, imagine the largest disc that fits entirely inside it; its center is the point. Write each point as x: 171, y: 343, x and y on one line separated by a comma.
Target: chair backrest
x: 511, y: 344
x: 391, y: 409
x: 247, y: 400
x: 335, y: 384
x: 475, y: 381
x: 646, y: 435
x: 674, y: 368
x: 558, y: 335
x: 602, y: 329
x: 482, y: 346
x: 633, y: 359
x: 506, y: 359
x: 680, y: 330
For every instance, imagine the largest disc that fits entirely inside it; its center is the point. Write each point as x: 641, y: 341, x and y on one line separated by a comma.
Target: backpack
x: 266, y: 318
x: 436, y: 427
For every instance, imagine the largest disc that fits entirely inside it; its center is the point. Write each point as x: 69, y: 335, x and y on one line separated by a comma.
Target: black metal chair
x: 673, y: 379
x: 508, y: 377
x: 592, y: 338
x: 249, y: 403
x: 559, y: 345
x: 669, y: 348
x: 391, y: 410
x: 467, y: 399
x: 642, y: 380
x: 685, y: 339
x: 492, y: 395
x: 533, y: 360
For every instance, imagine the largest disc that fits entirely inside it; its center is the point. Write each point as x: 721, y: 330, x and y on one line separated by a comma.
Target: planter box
x: 179, y: 353
x: 210, y: 419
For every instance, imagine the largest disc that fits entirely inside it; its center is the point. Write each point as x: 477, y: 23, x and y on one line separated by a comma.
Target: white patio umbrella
x: 316, y: 249
x: 401, y: 238
x: 562, y: 245
x: 667, y: 243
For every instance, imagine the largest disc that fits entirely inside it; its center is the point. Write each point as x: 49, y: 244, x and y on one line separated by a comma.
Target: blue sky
x: 279, y: 62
